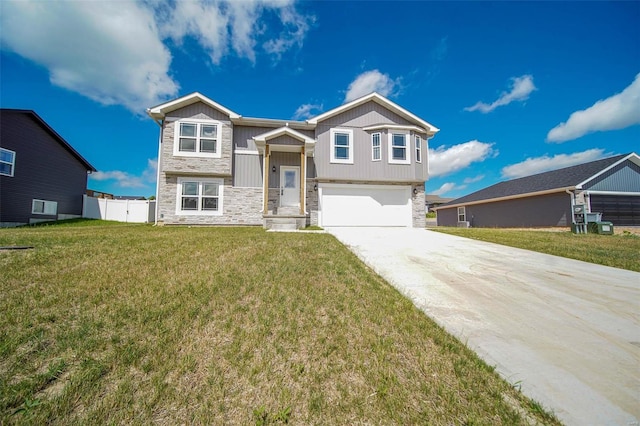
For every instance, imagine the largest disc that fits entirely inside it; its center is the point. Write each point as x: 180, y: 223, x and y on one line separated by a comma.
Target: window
x: 398, y: 152
x: 44, y: 207
x: 199, y: 196
x: 341, y: 146
x: 7, y: 162
x: 461, y: 214
x: 418, y: 149
x: 197, y: 139
x: 375, y: 147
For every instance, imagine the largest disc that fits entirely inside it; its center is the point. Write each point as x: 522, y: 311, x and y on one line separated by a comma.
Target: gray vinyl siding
x: 242, y: 137
x: 287, y: 159
x: 540, y: 211
x: 199, y: 110
x: 44, y: 170
x: 186, y: 165
x: 363, y: 168
x: 247, y: 170
x: 623, y: 178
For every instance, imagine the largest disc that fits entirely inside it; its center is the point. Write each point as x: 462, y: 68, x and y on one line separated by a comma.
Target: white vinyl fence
x: 139, y: 211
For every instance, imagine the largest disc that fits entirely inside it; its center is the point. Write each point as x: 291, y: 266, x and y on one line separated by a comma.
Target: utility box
x: 605, y: 228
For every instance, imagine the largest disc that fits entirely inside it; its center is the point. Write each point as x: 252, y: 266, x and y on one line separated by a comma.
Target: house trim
x: 159, y: 112
x: 395, y: 127
x: 407, y: 147
x: 12, y: 163
x: 350, y: 146
x: 380, y: 100
x: 199, y: 180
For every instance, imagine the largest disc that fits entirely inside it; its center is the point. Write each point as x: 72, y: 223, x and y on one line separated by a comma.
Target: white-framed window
x: 418, y: 141
x: 462, y: 214
x: 44, y: 207
x: 7, y: 162
x: 341, y: 146
x: 197, y: 138
x: 399, y: 152
x: 376, y: 147
x: 199, y: 196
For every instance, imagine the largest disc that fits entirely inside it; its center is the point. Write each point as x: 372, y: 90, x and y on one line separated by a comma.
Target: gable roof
x: 158, y: 112
x: 379, y: 99
x: 553, y: 181
x: 35, y: 117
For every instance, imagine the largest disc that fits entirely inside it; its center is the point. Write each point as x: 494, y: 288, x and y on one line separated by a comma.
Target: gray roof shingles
x: 555, y: 179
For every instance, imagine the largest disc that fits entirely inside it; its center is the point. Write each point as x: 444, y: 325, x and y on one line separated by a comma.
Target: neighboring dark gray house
x: 432, y: 201
x: 361, y: 164
x: 610, y: 186
x: 41, y: 176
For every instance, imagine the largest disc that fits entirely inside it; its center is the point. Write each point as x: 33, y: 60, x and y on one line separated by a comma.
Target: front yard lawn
x: 140, y: 324
x: 619, y: 251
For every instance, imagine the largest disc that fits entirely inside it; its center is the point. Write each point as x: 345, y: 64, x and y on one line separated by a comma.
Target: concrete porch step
x: 292, y: 222
x: 287, y: 211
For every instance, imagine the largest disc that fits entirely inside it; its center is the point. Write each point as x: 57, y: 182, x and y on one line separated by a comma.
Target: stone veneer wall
x: 418, y: 206
x: 240, y: 206
x: 312, y: 203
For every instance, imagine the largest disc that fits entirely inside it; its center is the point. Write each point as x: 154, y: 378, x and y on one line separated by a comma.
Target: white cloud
x: 372, y: 81
x: 307, y: 110
x: 443, y: 160
x: 532, y: 166
x: 521, y: 88
x: 447, y: 187
x: 474, y: 179
x: 115, y: 52
x: 109, y: 52
x: 616, y: 112
x: 127, y: 180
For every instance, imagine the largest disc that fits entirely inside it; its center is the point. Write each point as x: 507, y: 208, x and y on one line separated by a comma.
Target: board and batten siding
x: 44, y: 170
x: 625, y: 177
x: 247, y: 170
x: 243, y: 136
x: 363, y: 167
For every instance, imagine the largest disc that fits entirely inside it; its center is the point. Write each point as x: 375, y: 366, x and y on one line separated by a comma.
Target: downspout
x: 161, y: 124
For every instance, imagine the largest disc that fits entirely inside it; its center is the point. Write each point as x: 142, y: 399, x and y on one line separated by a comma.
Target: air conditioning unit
x: 464, y: 224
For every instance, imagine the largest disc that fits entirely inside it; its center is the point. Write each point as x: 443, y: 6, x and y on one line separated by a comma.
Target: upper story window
x: 7, y: 162
x: 418, y: 149
x: 199, y: 196
x: 376, y: 153
x: 341, y: 146
x: 398, y: 148
x: 199, y: 139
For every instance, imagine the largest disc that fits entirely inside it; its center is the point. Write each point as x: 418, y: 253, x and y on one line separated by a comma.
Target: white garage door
x: 364, y: 205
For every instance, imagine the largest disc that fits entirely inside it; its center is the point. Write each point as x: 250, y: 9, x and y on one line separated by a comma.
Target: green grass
x: 134, y: 324
x: 619, y: 251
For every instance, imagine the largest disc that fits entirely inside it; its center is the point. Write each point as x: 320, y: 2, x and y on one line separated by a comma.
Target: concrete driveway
x: 567, y: 332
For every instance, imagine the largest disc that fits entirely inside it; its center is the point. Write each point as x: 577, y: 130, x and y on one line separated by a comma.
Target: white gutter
x: 632, y: 194
x: 159, y: 123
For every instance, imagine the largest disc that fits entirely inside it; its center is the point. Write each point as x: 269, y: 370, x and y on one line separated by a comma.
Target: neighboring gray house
x: 610, y: 186
x: 42, y: 177
x: 361, y: 164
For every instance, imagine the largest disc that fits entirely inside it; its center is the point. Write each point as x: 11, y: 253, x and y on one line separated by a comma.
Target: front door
x: 289, y: 186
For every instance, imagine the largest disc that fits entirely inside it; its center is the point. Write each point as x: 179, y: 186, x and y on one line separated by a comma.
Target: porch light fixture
x: 415, y: 191
x: 273, y: 169
x: 315, y: 187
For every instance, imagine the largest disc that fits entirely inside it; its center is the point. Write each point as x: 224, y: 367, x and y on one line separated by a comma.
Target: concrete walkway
x: 567, y: 332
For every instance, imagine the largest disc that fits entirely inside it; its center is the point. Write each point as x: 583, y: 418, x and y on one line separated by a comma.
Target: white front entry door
x: 289, y: 186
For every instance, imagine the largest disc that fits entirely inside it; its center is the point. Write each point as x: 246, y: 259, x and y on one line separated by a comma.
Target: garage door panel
x: 621, y: 210
x: 361, y: 205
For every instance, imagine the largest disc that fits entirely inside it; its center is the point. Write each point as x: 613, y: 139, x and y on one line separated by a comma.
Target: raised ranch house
x: 361, y: 164
x: 610, y: 186
x: 42, y: 178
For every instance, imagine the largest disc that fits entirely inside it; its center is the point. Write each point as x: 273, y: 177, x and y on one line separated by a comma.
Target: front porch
x: 286, y: 168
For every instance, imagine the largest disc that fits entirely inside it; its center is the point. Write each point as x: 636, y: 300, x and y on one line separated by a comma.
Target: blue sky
x: 515, y: 87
